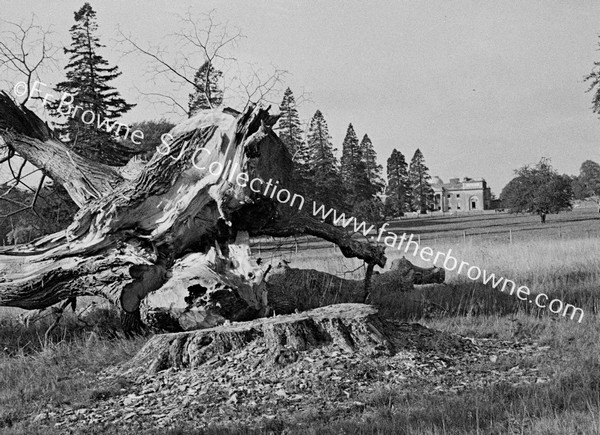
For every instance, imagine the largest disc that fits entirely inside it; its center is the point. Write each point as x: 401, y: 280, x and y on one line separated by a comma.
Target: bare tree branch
x: 202, y: 39
x: 25, y: 51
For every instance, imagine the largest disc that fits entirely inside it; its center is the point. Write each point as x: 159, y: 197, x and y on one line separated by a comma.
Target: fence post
x: 559, y: 232
x: 419, y: 239
x: 465, y: 236
x: 510, y: 235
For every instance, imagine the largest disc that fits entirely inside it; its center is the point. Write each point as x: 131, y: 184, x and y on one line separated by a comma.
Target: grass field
x: 560, y: 258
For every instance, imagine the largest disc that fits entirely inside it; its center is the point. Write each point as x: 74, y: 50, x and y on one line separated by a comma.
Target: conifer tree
x: 350, y: 155
x: 208, y: 93
x: 87, y: 78
x: 323, y: 164
x: 398, y: 190
x: 289, y: 128
x: 420, y: 183
x: 372, y: 168
x: 354, y: 173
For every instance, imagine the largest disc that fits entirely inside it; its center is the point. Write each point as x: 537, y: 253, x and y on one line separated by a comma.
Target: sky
x: 481, y: 88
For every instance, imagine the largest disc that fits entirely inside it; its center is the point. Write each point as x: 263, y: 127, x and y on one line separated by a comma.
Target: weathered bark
x: 418, y: 275
x: 154, y: 233
x: 23, y: 131
x: 352, y: 327
x: 290, y: 289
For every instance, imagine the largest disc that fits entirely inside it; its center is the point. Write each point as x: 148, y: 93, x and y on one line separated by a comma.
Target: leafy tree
x: 153, y: 131
x: 539, y: 189
x: 53, y: 212
x: 420, y: 183
x: 88, y: 75
x: 372, y: 211
x: 372, y: 168
x: 587, y: 184
x: 398, y: 190
x: 208, y: 92
x: 323, y: 164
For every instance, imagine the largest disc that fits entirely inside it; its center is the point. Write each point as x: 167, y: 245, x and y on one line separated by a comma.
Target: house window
x: 458, y: 195
x: 449, y: 195
x: 458, y: 206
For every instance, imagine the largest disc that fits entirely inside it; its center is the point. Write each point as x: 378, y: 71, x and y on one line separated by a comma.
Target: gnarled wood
x: 352, y: 327
x: 133, y: 239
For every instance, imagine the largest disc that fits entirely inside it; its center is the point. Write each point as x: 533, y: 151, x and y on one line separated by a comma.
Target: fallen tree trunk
x: 290, y: 289
x: 157, y: 232
x: 418, y: 275
x: 195, y: 301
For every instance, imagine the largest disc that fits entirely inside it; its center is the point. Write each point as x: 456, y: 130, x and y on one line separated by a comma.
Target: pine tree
x: 354, y: 173
x: 420, y: 183
x: 323, y: 164
x: 373, y: 169
x: 398, y: 190
x: 87, y: 77
x: 289, y: 130
x: 208, y: 93
x: 350, y: 155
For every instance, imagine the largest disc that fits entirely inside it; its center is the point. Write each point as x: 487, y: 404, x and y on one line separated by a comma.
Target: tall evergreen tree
x: 354, y: 173
x: 88, y: 75
x: 420, y: 183
x: 289, y: 130
x: 372, y: 168
x: 208, y: 92
x: 350, y: 155
x: 398, y: 190
x: 323, y: 164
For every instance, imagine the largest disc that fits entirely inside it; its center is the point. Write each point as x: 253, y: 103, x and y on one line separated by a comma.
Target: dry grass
x: 36, y: 372
x: 567, y: 268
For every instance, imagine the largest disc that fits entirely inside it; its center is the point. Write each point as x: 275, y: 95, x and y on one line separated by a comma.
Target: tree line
x: 354, y: 183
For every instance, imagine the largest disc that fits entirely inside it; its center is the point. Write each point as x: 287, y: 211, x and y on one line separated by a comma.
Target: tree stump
x: 351, y: 327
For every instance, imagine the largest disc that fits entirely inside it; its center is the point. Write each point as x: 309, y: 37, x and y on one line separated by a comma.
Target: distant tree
x: 372, y: 211
x: 208, y: 92
x: 289, y: 127
x: 539, y: 189
x: 323, y: 165
x: 354, y: 172
x: 289, y: 130
x: 153, y: 131
x: 350, y: 155
x: 587, y: 184
x: 398, y: 190
x: 420, y: 183
x: 88, y: 75
x: 372, y: 168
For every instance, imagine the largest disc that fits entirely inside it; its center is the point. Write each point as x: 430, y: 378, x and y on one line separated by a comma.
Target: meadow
x: 560, y: 258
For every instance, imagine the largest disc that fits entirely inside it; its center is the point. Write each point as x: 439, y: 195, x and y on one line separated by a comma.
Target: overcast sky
x: 480, y: 87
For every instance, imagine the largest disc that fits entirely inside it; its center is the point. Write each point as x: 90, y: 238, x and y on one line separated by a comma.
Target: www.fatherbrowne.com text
x: 271, y: 189
x: 404, y: 242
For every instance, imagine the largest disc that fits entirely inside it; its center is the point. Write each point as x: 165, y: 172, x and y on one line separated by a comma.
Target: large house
x: 466, y: 195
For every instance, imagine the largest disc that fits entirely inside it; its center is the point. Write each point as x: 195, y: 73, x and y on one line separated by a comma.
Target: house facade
x: 468, y: 194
